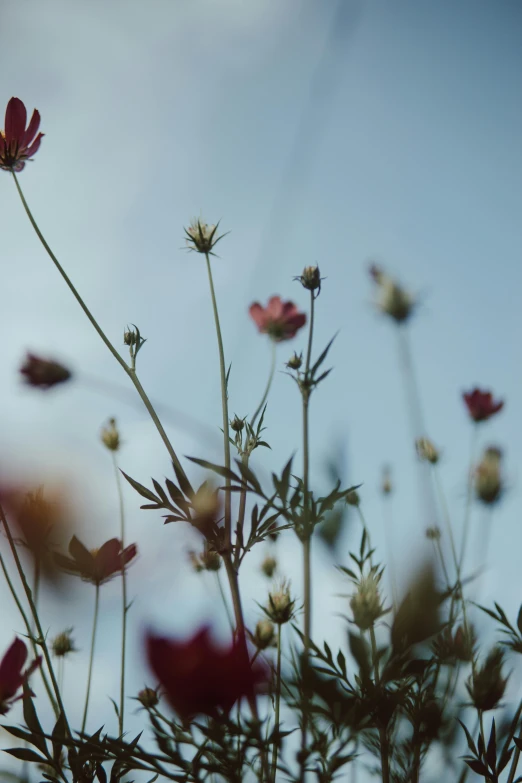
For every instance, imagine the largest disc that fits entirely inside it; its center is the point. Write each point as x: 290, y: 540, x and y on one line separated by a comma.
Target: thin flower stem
x: 385, y: 766
x: 440, y: 553
x: 224, y: 405
x: 91, y: 656
x: 447, y: 519
x: 225, y: 602
x: 34, y: 613
x: 130, y: 372
x: 123, y: 591
x: 514, y: 765
x: 469, y: 497
x: 267, y: 387
x: 277, y: 704
x: 30, y: 634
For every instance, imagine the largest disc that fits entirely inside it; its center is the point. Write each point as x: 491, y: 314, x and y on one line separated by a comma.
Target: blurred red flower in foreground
x: 16, y: 143
x: 279, y: 320
x: 97, y: 565
x: 11, y: 676
x: 481, y: 405
x: 43, y: 373
x: 199, y: 677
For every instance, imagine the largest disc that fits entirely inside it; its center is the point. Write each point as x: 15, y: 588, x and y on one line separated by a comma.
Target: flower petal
x: 11, y: 669
x: 15, y: 120
x: 31, y: 131
x: 35, y: 146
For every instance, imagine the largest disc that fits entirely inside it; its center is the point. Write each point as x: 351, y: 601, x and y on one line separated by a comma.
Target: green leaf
x: 219, y: 469
x: 24, y: 754
x: 184, y: 483
x: 58, y: 736
x: 140, y: 489
x: 323, y: 356
x: 32, y: 722
x: 361, y: 653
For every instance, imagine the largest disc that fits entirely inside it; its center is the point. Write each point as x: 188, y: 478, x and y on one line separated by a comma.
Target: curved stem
x: 267, y: 388
x: 91, y: 657
x: 469, y: 497
x: 224, y: 404
x: 277, y: 704
x: 130, y: 372
x: 123, y: 592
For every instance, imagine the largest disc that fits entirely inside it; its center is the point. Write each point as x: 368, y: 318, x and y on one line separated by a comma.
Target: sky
x: 334, y: 133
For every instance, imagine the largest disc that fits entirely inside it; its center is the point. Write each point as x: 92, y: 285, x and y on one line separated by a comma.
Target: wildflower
x: 268, y: 566
x: 43, y: 373
x: 264, y: 635
x: 280, y: 320
x: 237, y: 424
x: 295, y: 362
x: 366, y: 602
x: 426, y: 451
x: 206, y: 508
x: 18, y: 144
x: 392, y: 299
x: 201, y: 237
x: 353, y: 499
x: 311, y: 278
x: 200, y: 678
x: 148, y: 697
x: 63, y: 644
x: 486, y: 685
x: 280, y: 605
x: 481, y: 405
x: 97, y: 565
x: 488, y: 478
x: 12, y: 678
x: 110, y: 436
x: 130, y: 337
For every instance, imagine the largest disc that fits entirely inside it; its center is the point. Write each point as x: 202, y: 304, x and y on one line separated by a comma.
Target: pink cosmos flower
x: 481, y: 405
x: 279, y: 320
x: 12, y: 677
x: 43, y: 373
x: 18, y: 143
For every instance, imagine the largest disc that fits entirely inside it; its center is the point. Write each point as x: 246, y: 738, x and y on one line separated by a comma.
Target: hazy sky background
x: 318, y: 132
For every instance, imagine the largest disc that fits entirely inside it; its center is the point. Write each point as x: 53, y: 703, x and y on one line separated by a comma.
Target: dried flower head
x: 366, y: 603
x: 481, y: 405
x: 279, y: 320
x: 486, y: 685
x: 201, y: 238
x: 43, y: 373
x: 130, y: 337
x: 311, y: 278
x: 18, y: 144
x: 426, y: 450
x: 237, y: 424
x: 63, y: 644
x: 268, y: 566
x: 264, y: 635
x: 295, y: 362
x: 280, y: 607
x: 353, y: 499
x: 148, y: 697
x: 488, y: 476
x: 392, y: 299
x: 110, y: 436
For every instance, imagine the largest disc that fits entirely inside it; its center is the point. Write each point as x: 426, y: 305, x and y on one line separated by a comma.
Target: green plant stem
x: 267, y: 387
x: 469, y: 497
x: 447, y: 519
x: 277, y: 704
x: 91, y: 656
x: 385, y: 766
x: 514, y: 765
x: 130, y: 372
x: 124, y: 608
x: 224, y: 405
x: 30, y: 634
x: 224, y: 599
x: 34, y: 613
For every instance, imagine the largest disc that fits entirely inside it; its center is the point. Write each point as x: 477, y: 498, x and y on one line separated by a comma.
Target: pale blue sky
x: 318, y: 132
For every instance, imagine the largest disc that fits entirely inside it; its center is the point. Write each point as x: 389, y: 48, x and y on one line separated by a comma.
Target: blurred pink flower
x: 96, y: 565
x: 18, y: 144
x: 11, y: 675
x: 280, y: 320
x: 43, y: 373
x: 480, y: 404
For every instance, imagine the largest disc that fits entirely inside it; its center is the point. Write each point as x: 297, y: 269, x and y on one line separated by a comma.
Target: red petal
x: 108, y: 558
x: 11, y: 668
x: 257, y: 314
x: 15, y: 120
x: 34, y: 146
x: 31, y: 131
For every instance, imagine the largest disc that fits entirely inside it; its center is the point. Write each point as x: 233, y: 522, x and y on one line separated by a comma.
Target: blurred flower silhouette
x: 200, y: 678
x: 481, y: 405
x: 18, y: 144
x: 488, y: 476
x: 43, y: 373
x: 392, y: 299
x: 97, y: 565
x: 12, y: 677
x: 279, y: 320
x: 201, y: 237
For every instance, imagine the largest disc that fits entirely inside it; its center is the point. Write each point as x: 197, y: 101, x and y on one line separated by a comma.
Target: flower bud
x: 201, y: 237
x: 433, y: 533
x: 63, y: 644
x: 268, y: 566
x: 237, y: 424
x: 110, y: 436
x: 353, y: 499
x: 488, y: 479
x: 280, y: 605
x: 148, y: 697
x: 386, y: 485
x: 392, y: 299
x: 206, y: 508
x: 295, y: 362
x: 366, y: 602
x: 450, y: 648
x: 486, y: 685
x: 130, y: 337
x: 426, y: 451
x: 264, y: 635
x: 311, y: 278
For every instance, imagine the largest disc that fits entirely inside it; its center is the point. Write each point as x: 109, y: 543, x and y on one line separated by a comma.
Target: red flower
x: 481, y: 405
x: 11, y: 676
x: 16, y: 143
x: 43, y: 373
x: 98, y: 565
x: 280, y: 320
x: 198, y: 677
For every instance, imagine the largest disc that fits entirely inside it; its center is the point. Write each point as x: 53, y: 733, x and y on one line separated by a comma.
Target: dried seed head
x: 366, y: 602
x: 280, y: 607
x: 426, y: 450
x: 264, y: 635
x: 353, y: 499
x: 63, y: 644
x: 392, y: 299
x: 237, y: 424
x: 486, y: 685
x: 488, y: 477
x: 295, y: 362
x: 268, y: 566
x: 110, y: 436
x: 148, y: 697
x: 130, y: 337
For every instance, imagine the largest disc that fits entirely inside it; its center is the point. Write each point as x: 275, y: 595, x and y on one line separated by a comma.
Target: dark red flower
x: 18, y: 144
x: 43, y: 373
x: 280, y: 320
x: 11, y: 675
x: 481, y: 405
x: 97, y: 565
x: 200, y: 678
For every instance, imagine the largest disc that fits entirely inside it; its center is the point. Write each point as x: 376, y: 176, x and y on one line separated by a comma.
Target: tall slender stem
x: 224, y: 405
x: 385, y: 765
x: 225, y: 602
x: 130, y: 372
x: 123, y: 592
x: 91, y: 656
x: 267, y: 387
x: 469, y: 497
x: 277, y: 704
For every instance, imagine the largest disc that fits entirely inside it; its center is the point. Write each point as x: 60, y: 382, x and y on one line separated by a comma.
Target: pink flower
x: 280, y: 320
x: 43, y: 373
x: 481, y: 405
x: 96, y: 565
x: 18, y: 144
x: 12, y: 677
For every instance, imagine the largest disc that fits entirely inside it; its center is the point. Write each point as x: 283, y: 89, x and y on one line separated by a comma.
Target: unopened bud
x: 148, y: 697
x: 206, y: 507
x: 311, y: 278
x: 392, y: 299
x: 295, y: 362
x: 433, y: 533
x: 426, y: 450
x: 353, y: 499
x: 63, y: 644
x: 366, y: 602
x: 110, y: 436
x: 201, y: 237
x: 130, y: 337
x: 488, y: 478
x: 237, y: 424
x: 280, y: 605
x: 486, y: 685
x: 268, y: 566
x: 264, y: 635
